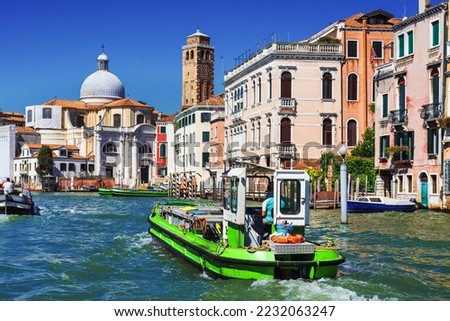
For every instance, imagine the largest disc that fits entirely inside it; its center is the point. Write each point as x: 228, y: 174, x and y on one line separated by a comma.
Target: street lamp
x: 343, y: 152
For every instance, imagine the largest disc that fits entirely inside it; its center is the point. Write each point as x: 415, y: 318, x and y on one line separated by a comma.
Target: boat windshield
x: 290, y: 197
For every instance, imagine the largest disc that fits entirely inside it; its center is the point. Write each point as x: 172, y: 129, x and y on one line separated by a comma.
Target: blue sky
x: 48, y: 47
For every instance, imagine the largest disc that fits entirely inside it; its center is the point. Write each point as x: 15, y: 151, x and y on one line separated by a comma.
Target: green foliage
x: 362, y: 168
x: 44, y: 161
x: 325, y: 160
x: 366, y: 147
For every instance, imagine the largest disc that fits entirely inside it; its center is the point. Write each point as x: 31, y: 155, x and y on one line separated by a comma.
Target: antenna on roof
x: 404, y: 9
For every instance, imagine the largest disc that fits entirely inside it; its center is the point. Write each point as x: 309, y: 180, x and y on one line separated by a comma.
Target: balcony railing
x: 398, y: 117
x: 288, y: 104
x: 431, y: 111
x: 286, y: 149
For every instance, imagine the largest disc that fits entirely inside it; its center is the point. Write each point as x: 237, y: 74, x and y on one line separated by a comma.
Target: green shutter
x: 385, y: 105
x: 401, y: 46
x: 410, y: 43
x: 435, y: 33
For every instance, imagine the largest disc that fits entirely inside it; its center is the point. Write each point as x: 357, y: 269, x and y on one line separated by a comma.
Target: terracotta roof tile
x: 127, y: 102
x: 213, y: 101
x: 77, y: 104
x: 24, y: 130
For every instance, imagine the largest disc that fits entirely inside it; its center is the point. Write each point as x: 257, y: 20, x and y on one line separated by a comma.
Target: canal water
x: 86, y: 247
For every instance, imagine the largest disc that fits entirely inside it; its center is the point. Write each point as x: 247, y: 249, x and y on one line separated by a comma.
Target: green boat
x: 104, y: 191
x: 227, y: 241
x: 138, y: 192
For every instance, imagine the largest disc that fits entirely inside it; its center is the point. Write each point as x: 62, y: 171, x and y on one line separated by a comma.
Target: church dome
x: 102, y: 86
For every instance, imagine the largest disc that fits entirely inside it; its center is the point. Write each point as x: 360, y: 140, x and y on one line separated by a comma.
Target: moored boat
x: 226, y: 241
x: 18, y: 203
x: 137, y: 192
x: 364, y: 204
x: 104, y: 191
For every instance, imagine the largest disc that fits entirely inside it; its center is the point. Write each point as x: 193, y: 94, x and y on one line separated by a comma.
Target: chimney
x: 424, y: 5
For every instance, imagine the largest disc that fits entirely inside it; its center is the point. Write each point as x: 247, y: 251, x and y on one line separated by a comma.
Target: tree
x: 366, y: 147
x: 45, y: 162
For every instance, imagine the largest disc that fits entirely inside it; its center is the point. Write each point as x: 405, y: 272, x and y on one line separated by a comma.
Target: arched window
x: 327, y: 134
x: 140, y: 119
x: 285, y: 136
x: 187, y: 55
x: 327, y: 89
x: 109, y: 148
x: 351, y: 133
x: 286, y: 85
x: 145, y: 149
x: 435, y: 86
x: 116, y: 120
x: 259, y: 90
x: 29, y: 115
x: 401, y: 97
x: 269, y: 81
x: 192, y: 54
x: 46, y: 113
x: 352, y: 90
x: 163, y: 151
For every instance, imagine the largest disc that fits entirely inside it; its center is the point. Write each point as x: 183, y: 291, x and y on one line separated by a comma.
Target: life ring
x: 279, y: 238
x: 296, y: 238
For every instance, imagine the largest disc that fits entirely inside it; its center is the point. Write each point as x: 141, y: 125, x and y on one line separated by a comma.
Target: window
x: 406, y: 140
x: 352, y: 49
x: 351, y: 133
x: 163, y: 151
x: 140, y: 119
x: 352, y: 90
x: 384, y: 143
x: 116, y: 120
x: 285, y: 135
x: 435, y: 33
x: 409, y: 182
x: 205, y: 137
x: 405, y: 46
x: 63, y: 167
x: 400, y: 183
x: 434, y: 181
x: 384, y: 105
x: 162, y: 129
x: 410, y: 37
x: 401, y: 45
x: 63, y: 153
x: 286, y: 85
x: 71, y: 167
x: 432, y: 141
x: 145, y: 149
x: 377, y: 49
x: 435, y: 88
x: 110, y: 148
x: 205, y: 117
x: 259, y: 90
x: 327, y: 81
x: 327, y: 133
x: 205, y: 159
x: 46, y: 113
x: 270, y: 86
x: 29, y: 115
x: 401, y: 97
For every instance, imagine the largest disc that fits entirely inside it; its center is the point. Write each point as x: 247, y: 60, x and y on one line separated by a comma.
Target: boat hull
x: 221, y: 261
x: 17, y: 205
x: 104, y: 191
x: 137, y: 193
x: 361, y: 207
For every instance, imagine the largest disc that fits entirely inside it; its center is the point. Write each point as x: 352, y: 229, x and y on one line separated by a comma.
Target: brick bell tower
x: 198, y: 70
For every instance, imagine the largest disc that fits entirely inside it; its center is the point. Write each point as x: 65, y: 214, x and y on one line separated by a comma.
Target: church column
x: 98, y: 152
x: 134, y: 165
x: 120, y: 166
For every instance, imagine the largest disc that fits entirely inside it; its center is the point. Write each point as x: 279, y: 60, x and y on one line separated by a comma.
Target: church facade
x: 115, y: 135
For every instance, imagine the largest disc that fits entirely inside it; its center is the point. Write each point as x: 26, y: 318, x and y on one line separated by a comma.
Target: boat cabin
x: 242, y: 222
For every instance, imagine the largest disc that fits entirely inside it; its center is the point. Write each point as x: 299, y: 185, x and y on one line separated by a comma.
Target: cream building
x: 118, y: 132
x: 284, y: 104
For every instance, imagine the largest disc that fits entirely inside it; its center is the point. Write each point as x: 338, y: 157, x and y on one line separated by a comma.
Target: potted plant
x: 444, y: 121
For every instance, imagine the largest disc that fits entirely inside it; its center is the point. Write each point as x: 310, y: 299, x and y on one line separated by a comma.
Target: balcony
x: 288, y: 105
x: 430, y: 113
x: 398, y: 118
x: 286, y: 150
